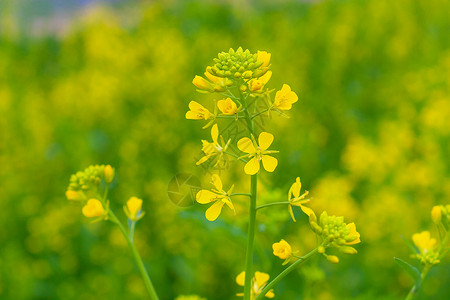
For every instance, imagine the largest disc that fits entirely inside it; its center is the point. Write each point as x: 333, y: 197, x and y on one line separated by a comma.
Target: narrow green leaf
x: 413, y: 271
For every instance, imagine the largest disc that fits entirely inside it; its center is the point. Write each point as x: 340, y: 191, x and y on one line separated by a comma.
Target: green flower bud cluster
x: 333, y: 230
x: 236, y: 64
x: 430, y: 257
x: 88, y: 180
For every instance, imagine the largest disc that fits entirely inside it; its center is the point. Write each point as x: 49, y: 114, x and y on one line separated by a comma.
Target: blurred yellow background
x: 109, y: 82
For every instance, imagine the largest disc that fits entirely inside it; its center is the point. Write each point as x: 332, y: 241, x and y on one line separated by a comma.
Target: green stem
x: 137, y: 258
x: 259, y: 113
x: 272, y: 204
x: 286, y: 271
x: 413, y: 292
x: 250, y: 239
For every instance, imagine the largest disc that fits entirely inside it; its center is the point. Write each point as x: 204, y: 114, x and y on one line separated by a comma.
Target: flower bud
x: 133, y: 208
x: 436, y: 214
x: 333, y: 259
x: 202, y: 84
x: 348, y: 250
x: 109, y: 174
x: 321, y: 249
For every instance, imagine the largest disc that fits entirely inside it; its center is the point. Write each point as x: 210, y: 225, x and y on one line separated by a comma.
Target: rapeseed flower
x: 94, y: 208
x: 227, y: 106
x: 214, y: 148
x: 218, y: 196
x: 258, y: 152
x: 284, y: 98
x: 295, y: 199
x: 282, y: 249
x: 198, y: 112
x: 133, y: 209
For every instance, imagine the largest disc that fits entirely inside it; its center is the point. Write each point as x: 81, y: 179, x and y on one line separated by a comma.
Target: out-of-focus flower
x: 94, y: 208
x: 284, y: 98
x: 295, y: 199
x: 133, y: 209
x: 257, y: 152
x: 218, y: 196
x: 198, y: 112
x: 259, y: 281
x: 427, y: 248
x: 227, y: 106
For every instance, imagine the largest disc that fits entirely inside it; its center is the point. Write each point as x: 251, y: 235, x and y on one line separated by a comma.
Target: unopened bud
x: 333, y: 259
x: 436, y: 214
x: 348, y: 250
x: 321, y: 249
x: 109, y: 174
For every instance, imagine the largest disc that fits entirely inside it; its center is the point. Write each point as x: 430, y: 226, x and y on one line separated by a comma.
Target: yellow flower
x: 133, y: 209
x: 257, y: 153
x: 259, y: 281
x: 227, y: 106
x: 214, y: 148
x: 257, y: 84
x: 295, y: 199
x: 424, y: 242
x: 353, y: 233
x: 264, y: 57
x: 218, y: 196
x: 93, y: 208
x: 198, y: 112
x: 282, y: 249
x: 202, y: 84
x: 284, y: 98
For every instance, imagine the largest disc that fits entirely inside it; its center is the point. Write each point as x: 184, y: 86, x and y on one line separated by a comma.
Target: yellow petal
x: 217, y: 182
x: 229, y: 203
x: 190, y: 115
x: 352, y: 227
x: 264, y: 57
x: 93, y: 208
x: 193, y: 105
x: 296, y: 187
x: 261, y: 278
x: 252, y: 167
x: 270, y: 294
x: 215, y: 133
x: 265, y: 139
x: 246, y: 145
x: 205, y: 196
x: 203, y: 159
x: 269, y: 163
x: 214, y: 211
x: 306, y: 210
x: 240, y: 279
x: 266, y: 77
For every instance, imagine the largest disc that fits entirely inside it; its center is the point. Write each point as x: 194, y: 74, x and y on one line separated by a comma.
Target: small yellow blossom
x: 264, y: 57
x: 227, y: 106
x: 284, y: 98
x: 424, y: 242
x: 214, y: 148
x: 295, y: 199
x: 93, y: 208
x: 109, y: 174
x: 257, y: 152
x: 198, y: 112
x: 257, y: 84
x: 282, y: 249
x: 218, y: 196
x: 259, y: 281
x: 203, y: 84
x: 133, y: 209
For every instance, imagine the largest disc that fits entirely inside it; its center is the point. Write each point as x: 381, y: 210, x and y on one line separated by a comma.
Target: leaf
x: 413, y: 271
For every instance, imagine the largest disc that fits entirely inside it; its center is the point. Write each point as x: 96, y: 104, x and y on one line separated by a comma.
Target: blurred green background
x: 85, y: 83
